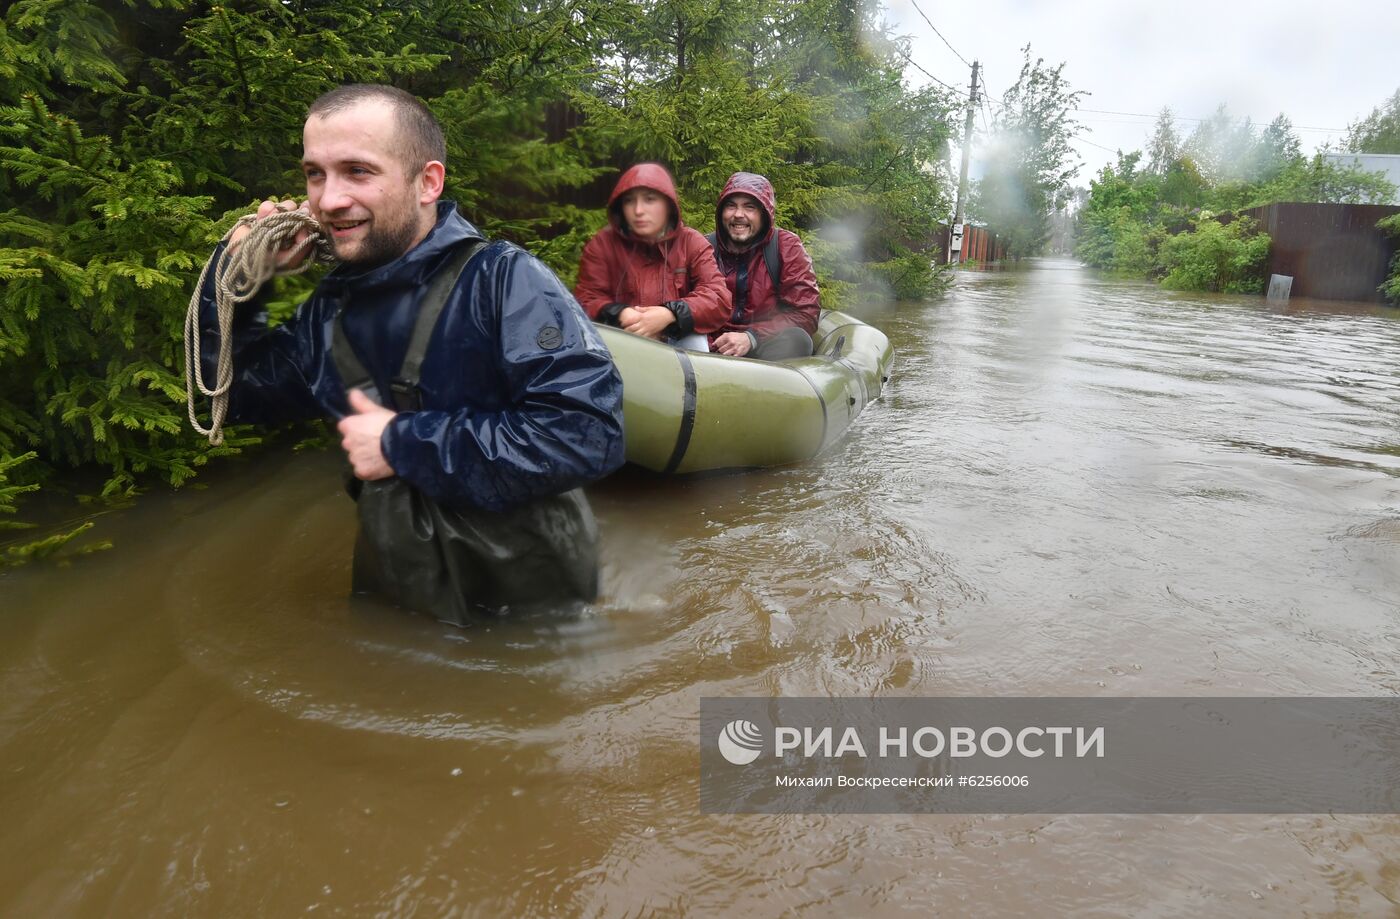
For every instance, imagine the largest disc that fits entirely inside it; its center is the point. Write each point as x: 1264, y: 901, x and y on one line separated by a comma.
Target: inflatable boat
x: 693, y: 412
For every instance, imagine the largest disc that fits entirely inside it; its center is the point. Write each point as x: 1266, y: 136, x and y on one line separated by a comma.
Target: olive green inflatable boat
x: 693, y: 412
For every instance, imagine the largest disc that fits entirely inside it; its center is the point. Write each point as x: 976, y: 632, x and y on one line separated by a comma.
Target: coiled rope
x: 237, y: 278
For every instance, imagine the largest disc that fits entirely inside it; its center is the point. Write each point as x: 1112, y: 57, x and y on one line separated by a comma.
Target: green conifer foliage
x: 808, y: 94
x: 132, y: 132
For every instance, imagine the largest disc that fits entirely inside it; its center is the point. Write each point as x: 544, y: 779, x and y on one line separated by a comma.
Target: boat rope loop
x: 237, y: 278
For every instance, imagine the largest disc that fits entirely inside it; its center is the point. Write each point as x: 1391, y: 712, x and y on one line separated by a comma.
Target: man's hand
x: 647, y: 321
x: 735, y: 344
x: 286, y: 259
x: 359, y: 437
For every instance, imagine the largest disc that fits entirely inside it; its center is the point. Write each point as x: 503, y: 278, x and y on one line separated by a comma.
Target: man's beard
x: 744, y: 243
x: 381, y: 245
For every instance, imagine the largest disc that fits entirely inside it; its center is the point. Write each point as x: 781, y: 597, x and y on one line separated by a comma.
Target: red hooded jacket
x: 765, y: 311
x: 618, y: 270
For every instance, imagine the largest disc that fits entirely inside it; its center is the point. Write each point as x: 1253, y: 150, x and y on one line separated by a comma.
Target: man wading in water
x: 473, y: 396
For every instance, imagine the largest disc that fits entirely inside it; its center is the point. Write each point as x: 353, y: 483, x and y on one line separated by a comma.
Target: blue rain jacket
x: 520, y: 397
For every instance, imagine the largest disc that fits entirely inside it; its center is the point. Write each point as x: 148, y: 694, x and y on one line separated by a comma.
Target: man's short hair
x: 419, y: 140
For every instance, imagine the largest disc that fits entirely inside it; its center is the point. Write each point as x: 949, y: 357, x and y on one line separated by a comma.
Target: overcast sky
x: 1321, y: 64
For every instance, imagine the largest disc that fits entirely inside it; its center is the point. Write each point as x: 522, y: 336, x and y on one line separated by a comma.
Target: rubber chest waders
x: 458, y: 562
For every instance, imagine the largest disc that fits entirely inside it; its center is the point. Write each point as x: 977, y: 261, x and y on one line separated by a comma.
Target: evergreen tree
x: 1277, y: 146
x: 1221, y: 147
x: 1164, y: 149
x: 786, y: 90
x: 133, y: 131
x: 126, y: 137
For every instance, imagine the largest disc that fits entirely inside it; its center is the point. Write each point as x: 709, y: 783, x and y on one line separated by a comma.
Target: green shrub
x: 1391, y: 286
x: 1228, y: 258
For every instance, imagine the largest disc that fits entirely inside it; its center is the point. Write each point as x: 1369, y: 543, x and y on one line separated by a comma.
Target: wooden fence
x: 979, y: 245
x: 1332, y: 251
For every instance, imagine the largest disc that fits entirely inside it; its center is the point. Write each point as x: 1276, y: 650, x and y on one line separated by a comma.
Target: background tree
x: 1378, y: 132
x: 809, y: 94
x: 1163, y: 225
x: 1164, y: 149
x: 1029, y: 161
x: 1276, y: 147
x: 1113, y: 221
x: 1222, y: 147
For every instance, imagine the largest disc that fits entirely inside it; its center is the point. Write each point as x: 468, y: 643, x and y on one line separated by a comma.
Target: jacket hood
x: 416, y: 265
x: 644, y: 175
x: 757, y: 187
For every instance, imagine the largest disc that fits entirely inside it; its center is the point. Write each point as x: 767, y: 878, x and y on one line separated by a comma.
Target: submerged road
x: 1073, y: 486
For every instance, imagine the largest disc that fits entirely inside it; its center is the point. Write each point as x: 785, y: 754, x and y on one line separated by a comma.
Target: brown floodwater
x: 1073, y: 486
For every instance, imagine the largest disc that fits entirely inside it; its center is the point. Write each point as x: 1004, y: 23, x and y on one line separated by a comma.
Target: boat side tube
x: 686, y: 411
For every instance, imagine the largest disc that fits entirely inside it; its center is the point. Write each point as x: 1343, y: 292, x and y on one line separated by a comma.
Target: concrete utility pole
x: 955, y: 232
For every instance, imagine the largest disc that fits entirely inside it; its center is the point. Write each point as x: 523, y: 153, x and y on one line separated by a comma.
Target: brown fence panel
x: 1332, y: 251
x: 980, y: 245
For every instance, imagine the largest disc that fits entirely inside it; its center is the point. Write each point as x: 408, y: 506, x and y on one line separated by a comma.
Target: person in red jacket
x: 776, y: 301
x: 647, y: 272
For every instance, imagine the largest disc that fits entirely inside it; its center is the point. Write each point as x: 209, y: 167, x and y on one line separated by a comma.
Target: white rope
x: 237, y: 278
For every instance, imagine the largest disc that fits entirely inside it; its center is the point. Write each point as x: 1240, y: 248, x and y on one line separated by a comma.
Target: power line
x: 1095, y: 111
x: 939, y: 34
x: 1143, y: 124
x: 987, y: 87
x: 1099, y: 111
x: 1092, y: 144
x: 909, y: 60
